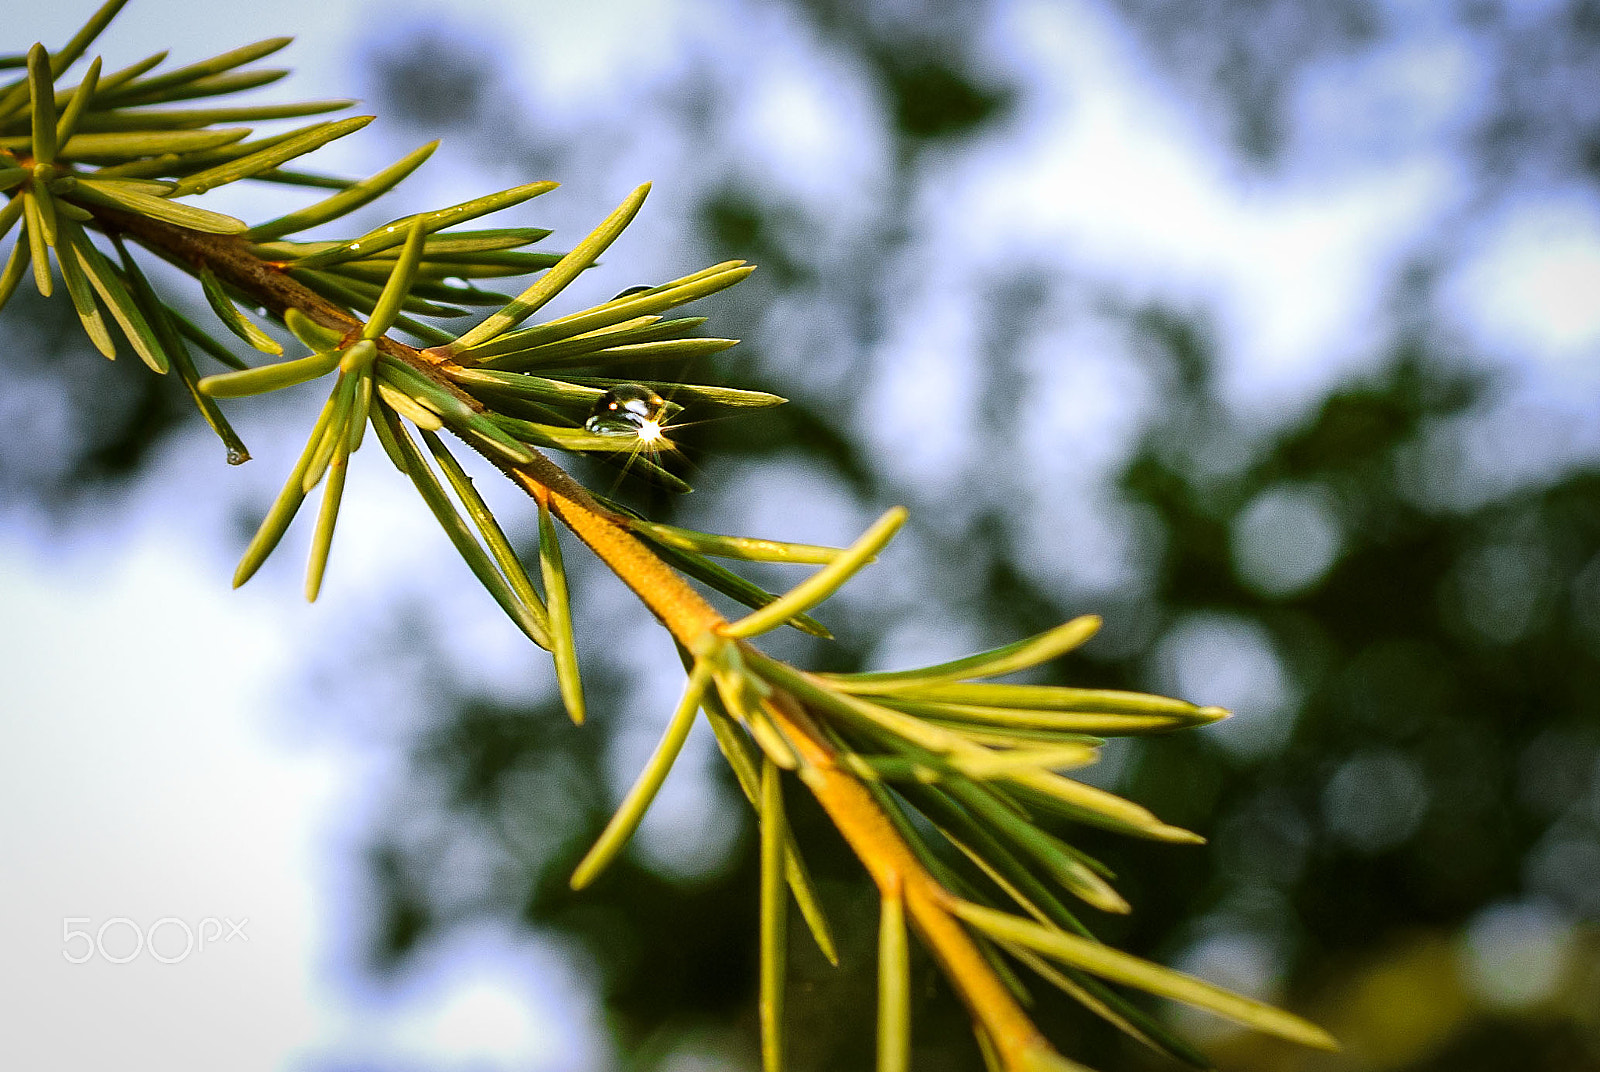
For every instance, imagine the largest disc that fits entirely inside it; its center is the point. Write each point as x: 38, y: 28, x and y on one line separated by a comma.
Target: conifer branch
x: 979, y: 761
x: 682, y: 610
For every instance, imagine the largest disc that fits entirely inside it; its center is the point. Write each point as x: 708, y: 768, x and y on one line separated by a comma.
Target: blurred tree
x: 1428, y: 761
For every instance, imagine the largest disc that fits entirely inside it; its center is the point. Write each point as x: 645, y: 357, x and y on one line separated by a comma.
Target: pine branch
x: 978, y: 760
x: 682, y: 610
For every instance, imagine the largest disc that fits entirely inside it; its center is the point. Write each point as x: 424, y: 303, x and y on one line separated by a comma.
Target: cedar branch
x: 869, y: 832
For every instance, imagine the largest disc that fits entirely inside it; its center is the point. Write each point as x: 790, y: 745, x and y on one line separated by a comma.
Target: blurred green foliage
x: 1431, y: 758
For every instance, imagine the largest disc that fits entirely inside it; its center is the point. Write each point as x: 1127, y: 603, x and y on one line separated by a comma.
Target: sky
x: 133, y: 793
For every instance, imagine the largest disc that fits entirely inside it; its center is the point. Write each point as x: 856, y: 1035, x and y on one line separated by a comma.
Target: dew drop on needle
x: 630, y: 409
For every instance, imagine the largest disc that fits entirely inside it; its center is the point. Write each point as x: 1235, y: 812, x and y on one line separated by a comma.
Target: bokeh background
x: 1269, y: 330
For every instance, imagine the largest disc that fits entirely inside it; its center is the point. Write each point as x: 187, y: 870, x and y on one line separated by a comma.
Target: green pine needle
x: 82, y: 294
x: 1045, y: 851
x: 894, y: 986
x: 327, y: 517
x: 68, y: 123
x: 203, y: 339
x: 44, y: 105
x: 212, y: 86
x: 38, y: 243
x: 123, y: 75
x: 333, y: 493
x: 393, y: 234
x: 398, y: 445
x: 126, y: 147
x: 231, y: 317
x: 399, y: 286
x: 303, y: 142
x: 124, y: 197
x: 611, y: 313
x: 113, y: 291
x: 171, y: 339
x: 316, y: 337
x: 286, y: 505
x: 334, y: 435
x: 691, y: 394
x: 1005, y: 660
x: 745, y: 696
x: 45, y: 204
x: 822, y: 584
x: 407, y: 407
x: 562, y: 647
x: 494, y: 536
x: 730, y: 584
x: 16, y: 268
x: 345, y: 201
x: 774, y: 929
x: 1118, y: 967
x: 638, y: 799
x: 745, y: 760
x: 739, y: 547
x: 582, y: 256
x: 15, y: 95
x: 152, y: 119
x: 151, y: 87
x: 575, y: 351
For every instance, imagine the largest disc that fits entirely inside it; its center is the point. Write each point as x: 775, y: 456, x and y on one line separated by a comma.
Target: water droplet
x: 238, y: 456
x: 630, y: 409
x: 640, y: 289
